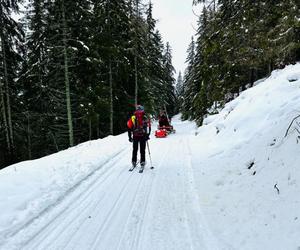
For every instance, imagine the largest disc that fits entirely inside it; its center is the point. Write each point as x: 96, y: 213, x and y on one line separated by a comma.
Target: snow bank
x: 247, y: 171
x: 29, y: 188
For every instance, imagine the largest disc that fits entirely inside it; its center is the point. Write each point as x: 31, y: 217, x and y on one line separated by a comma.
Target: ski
x: 133, y: 167
x: 142, y: 167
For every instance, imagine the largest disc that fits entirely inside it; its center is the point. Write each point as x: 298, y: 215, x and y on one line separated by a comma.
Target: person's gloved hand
x: 147, y: 137
x: 130, y: 139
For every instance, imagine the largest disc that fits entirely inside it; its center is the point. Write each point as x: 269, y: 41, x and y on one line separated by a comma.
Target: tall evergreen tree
x: 189, y: 87
x: 154, y: 64
x: 32, y: 79
x: 112, y: 45
x: 169, y: 81
x: 238, y: 42
x: 284, y: 37
x: 68, y: 66
x: 11, y: 39
x: 179, y: 85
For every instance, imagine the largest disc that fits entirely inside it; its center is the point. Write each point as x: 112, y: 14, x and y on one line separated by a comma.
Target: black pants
x: 136, y: 143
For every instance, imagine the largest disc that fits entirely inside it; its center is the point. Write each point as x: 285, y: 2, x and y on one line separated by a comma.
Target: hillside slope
x: 242, y: 155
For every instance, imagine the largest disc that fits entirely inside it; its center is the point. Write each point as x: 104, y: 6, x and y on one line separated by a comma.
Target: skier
x: 139, y: 128
x: 163, y: 120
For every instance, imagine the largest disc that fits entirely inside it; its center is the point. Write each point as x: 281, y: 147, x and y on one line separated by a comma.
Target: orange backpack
x: 138, y: 123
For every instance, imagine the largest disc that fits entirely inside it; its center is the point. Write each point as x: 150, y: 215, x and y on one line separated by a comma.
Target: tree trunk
x: 67, y: 81
x: 90, y: 128
x: 4, y: 119
x: 8, y: 106
x: 2, y: 91
x: 28, y: 138
x: 6, y: 103
x: 252, y: 77
x: 55, y: 142
x: 98, y: 130
x: 270, y: 67
x: 136, y: 80
x: 111, y: 128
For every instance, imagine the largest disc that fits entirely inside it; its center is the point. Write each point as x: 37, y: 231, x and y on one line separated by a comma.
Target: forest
x: 237, y: 43
x: 73, y: 70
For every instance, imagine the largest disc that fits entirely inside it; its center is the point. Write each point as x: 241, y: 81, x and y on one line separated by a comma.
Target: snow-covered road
x: 117, y: 209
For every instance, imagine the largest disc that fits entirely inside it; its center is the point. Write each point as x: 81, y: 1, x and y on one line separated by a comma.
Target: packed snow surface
x: 231, y: 184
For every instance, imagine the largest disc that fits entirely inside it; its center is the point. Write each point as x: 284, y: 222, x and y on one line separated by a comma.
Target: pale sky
x: 177, y: 24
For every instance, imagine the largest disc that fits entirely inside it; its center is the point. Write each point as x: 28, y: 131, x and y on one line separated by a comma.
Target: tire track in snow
x: 115, y: 209
x: 135, y: 243
x: 146, y: 220
x: 70, y: 220
x: 107, y: 225
x: 59, y: 232
x: 198, y: 227
x: 165, y: 226
x: 111, y: 216
x: 33, y: 224
x: 82, y: 215
x: 140, y: 232
x: 185, y: 215
x: 132, y: 227
x: 133, y: 206
x: 100, y: 209
x: 99, y: 190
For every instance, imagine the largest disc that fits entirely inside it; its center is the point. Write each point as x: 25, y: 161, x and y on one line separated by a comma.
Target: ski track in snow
x: 199, y: 228
x: 117, y: 209
x: 45, y: 222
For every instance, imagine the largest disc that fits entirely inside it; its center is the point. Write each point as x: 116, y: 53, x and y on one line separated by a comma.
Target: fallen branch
x: 250, y: 164
x: 275, y: 186
x: 291, y: 125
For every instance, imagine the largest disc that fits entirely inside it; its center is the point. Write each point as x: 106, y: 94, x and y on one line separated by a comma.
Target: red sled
x: 169, y: 129
x: 163, y: 131
x: 160, y: 133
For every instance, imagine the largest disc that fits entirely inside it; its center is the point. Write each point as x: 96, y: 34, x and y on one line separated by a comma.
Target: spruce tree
x: 189, y: 88
x: 179, y: 85
x: 35, y: 98
x: 11, y: 40
x: 154, y: 64
x: 169, y: 81
x: 68, y: 67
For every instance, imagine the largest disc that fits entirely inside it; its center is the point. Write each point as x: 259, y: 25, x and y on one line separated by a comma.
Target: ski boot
x: 142, y: 167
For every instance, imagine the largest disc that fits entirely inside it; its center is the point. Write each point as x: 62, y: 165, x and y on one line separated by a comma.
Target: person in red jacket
x: 163, y: 120
x: 139, y: 128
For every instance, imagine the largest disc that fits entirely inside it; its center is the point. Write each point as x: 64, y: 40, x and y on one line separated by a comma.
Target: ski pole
x: 149, y: 154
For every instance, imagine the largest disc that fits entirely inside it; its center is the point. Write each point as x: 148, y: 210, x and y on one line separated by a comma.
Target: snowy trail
x: 118, y: 209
